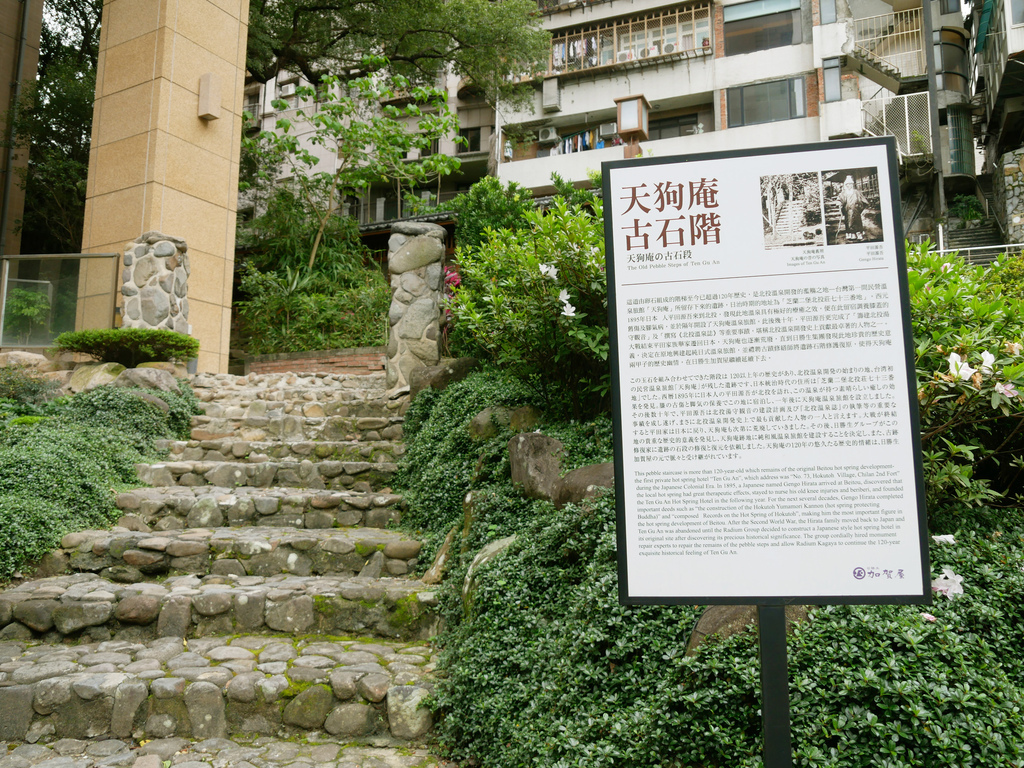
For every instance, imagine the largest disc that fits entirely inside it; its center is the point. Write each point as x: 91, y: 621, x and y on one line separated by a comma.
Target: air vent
x: 608, y: 130
x: 286, y: 90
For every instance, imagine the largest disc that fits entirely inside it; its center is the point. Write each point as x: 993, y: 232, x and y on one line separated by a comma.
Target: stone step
x: 131, y: 556
x: 274, y: 386
x: 179, y: 507
x: 243, y: 751
x: 296, y: 428
x: 369, y: 692
x: 320, y: 475
x: 85, y: 607
x: 298, y: 406
x: 228, y: 449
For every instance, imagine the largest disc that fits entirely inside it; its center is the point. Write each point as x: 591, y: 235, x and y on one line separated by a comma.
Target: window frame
x: 797, y: 101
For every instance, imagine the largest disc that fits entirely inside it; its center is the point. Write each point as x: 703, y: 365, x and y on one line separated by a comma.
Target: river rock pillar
x: 154, y: 283
x: 416, y: 263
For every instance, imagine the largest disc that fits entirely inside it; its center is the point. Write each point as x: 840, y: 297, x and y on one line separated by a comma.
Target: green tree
x: 53, y: 121
x: 480, y: 39
x: 369, y: 126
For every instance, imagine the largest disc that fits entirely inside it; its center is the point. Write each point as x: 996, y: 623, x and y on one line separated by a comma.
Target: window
x: 950, y: 6
x: 761, y: 24
x: 833, y: 81
x: 828, y: 11
x: 470, y: 140
x: 766, y: 102
x: 670, y: 127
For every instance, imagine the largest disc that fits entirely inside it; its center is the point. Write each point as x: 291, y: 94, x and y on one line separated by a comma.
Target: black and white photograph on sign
x: 765, y: 413
x: 791, y: 210
x: 852, y: 208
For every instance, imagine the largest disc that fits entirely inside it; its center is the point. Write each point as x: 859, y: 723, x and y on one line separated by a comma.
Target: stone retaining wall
x: 359, y: 361
x: 1008, y: 186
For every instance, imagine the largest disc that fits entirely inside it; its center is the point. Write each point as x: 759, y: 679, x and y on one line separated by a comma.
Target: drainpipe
x: 19, y: 73
x: 933, y: 99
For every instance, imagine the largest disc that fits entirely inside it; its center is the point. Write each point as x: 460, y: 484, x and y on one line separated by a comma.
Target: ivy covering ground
x: 61, y: 461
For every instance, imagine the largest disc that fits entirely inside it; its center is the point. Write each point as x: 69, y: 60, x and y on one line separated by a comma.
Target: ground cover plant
x: 60, y: 468
x: 542, y: 667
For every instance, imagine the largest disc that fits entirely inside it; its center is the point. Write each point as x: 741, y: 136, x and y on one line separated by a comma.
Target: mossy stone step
x: 297, y: 428
x: 241, y: 751
x: 320, y: 475
x: 369, y: 692
x: 255, y: 551
x: 230, y: 449
x: 88, y: 608
x: 180, y: 507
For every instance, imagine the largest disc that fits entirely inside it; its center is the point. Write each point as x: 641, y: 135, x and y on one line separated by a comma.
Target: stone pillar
x: 154, y: 283
x: 1008, y: 185
x: 416, y: 264
x: 164, y: 152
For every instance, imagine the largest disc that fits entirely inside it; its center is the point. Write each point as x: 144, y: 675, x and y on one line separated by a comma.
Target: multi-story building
x: 730, y: 74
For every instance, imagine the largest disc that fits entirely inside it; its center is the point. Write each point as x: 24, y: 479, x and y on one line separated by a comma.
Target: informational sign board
x: 766, y: 427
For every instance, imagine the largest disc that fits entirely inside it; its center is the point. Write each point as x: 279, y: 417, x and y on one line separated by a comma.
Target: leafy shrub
x: 442, y: 463
x: 125, y: 407
x: 129, y: 346
x: 30, y: 529
x: 967, y: 338
x: 300, y: 311
x: 22, y: 392
x: 25, y: 311
x: 535, y: 302
x: 489, y: 206
x: 548, y: 670
x: 966, y: 208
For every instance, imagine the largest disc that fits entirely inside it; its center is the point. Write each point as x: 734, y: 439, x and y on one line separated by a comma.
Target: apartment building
x: 729, y: 74
x: 385, y: 202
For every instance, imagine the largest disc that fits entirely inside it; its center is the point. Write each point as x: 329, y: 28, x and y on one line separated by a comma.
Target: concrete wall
x: 155, y: 164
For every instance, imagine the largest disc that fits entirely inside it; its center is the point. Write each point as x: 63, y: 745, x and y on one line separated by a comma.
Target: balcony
x: 679, y: 33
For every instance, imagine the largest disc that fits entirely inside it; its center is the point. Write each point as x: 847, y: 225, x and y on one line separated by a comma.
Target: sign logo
x: 859, y: 573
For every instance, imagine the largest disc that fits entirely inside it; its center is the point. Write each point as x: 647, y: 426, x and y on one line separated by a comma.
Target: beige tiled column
x: 155, y: 164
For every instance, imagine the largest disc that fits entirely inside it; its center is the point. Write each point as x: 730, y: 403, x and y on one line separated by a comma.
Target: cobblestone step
x: 85, y: 607
x: 239, y: 752
x: 280, y: 426
x: 229, y: 449
x: 320, y: 475
x: 180, y: 507
x: 212, y: 687
x: 253, y: 551
x: 273, y: 387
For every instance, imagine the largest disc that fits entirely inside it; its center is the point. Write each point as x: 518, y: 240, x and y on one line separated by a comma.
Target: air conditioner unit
x: 608, y: 130
x: 623, y: 56
x: 547, y: 135
x: 286, y: 90
x: 670, y: 47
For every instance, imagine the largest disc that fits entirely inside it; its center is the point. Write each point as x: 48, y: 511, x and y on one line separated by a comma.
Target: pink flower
x: 1006, y: 390
x: 928, y: 617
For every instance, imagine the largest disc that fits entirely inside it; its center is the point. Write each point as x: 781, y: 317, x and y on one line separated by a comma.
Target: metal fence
x: 906, y: 117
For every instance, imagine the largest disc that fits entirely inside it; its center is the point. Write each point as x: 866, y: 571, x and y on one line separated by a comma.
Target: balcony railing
x: 894, y: 39
x: 682, y: 32
x: 907, y: 117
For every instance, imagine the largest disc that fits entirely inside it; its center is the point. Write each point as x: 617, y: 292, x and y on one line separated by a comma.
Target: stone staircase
x: 254, y: 607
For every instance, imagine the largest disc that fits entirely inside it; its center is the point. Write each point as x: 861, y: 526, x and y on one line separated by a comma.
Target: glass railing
x: 39, y: 296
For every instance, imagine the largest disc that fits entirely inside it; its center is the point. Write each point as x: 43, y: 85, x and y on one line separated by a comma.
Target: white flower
x: 549, y: 271
x: 564, y: 296
x: 1006, y: 390
x: 568, y: 310
x: 987, y: 359
x: 948, y: 584
x: 946, y: 267
x: 959, y: 367
x: 945, y: 539
x: 1013, y: 348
